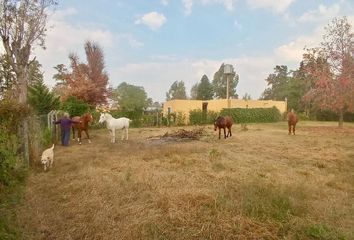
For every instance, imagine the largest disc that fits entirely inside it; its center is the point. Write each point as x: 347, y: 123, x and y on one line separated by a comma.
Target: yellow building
x: 216, y: 105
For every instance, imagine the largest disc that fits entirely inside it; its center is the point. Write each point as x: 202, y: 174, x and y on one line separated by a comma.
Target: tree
x: 177, y: 91
x: 194, y: 90
x: 284, y: 84
x: 332, y: 67
x: 23, y: 25
x: 205, y: 89
x: 39, y: 96
x: 86, y: 81
x: 277, y: 84
x: 35, y: 74
x: 7, y: 77
x: 246, y: 97
x: 299, y: 84
x: 131, y: 98
x: 41, y: 99
x: 220, y: 83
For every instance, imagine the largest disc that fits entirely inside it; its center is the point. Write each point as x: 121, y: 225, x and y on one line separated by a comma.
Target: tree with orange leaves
x: 86, y: 81
x: 331, y: 68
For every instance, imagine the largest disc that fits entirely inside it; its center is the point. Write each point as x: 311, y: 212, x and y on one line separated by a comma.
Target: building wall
x: 184, y: 106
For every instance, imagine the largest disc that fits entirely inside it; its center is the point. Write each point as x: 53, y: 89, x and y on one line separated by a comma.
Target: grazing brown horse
x: 223, y: 122
x: 292, y: 120
x: 82, y: 126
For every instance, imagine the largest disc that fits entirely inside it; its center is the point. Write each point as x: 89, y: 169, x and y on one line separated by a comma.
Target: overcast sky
x: 152, y: 43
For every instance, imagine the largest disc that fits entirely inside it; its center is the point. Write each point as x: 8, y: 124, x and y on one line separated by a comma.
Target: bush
x: 135, y: 116
x: 201, y: 117
x: 75, y: 107
x: 252, y: 115
x: 326, y: 115
x: 11, y: 114
x: 8, y: 157
x: 180, y: 119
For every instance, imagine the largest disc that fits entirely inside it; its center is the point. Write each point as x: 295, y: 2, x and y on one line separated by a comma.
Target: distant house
x: 216, y: 105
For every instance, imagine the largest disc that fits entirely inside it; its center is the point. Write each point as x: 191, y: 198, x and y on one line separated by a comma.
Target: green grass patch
x: 323, y: 232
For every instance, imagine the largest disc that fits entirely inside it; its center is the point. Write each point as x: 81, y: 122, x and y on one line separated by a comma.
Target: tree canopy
x: 177, y: 91
x: 220, y: 83
x: 41, y: 99
x: 205, y: 89
x: 331, y: 66
x: 7, y: 77
x: 131, y: 98
x: 22, y: 25
x: 86, y: 81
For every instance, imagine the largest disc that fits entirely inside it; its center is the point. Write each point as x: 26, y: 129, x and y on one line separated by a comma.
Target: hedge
x: 252, y: 115
x: 202, y: 117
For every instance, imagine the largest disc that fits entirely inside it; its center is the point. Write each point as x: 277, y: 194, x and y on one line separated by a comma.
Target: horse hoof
x: 79, y: 143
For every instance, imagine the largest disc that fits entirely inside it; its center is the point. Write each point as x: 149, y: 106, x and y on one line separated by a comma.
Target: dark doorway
x: 205, y: 107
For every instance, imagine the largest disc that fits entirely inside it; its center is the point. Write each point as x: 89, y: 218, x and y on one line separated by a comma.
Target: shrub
x: 201, y: 117
x: 135, y: 116
x: 252, y: 115
x: 8, y: 157
x: 11, y: 114
x: 180, y: 119
x: 326, y: 115
x: 75, y: 107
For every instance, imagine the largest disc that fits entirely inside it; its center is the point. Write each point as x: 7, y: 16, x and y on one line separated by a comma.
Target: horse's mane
x: 107, y: 114
x: 219, y: 118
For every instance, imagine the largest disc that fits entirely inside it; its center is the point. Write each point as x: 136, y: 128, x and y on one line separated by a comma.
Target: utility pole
x: 228, y: 70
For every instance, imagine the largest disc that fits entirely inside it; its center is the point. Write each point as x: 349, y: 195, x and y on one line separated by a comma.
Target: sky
x: 153, y: 43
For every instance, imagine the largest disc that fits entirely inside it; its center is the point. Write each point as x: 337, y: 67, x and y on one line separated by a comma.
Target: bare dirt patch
x: 258, y: 184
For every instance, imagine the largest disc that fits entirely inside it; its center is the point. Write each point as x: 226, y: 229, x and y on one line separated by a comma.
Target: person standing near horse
x: 65, y: 126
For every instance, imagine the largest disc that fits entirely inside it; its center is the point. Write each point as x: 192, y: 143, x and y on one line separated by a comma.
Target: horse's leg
x: 79, y: 136
x: 225, y: 133
x: 219, y: 132
x: 229, y: 133
x: 289, y: 125
x: 126, y: 131
x: 294, y: 129
x: 123, y: 132
x: 87, y: 135
x: 113, y: 139
x: 73, y: 128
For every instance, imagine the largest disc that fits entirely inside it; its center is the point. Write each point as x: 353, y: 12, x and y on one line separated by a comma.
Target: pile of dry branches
x: 181, y: 134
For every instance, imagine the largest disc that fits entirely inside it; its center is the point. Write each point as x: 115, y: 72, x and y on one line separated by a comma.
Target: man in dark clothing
x: 65, y: 126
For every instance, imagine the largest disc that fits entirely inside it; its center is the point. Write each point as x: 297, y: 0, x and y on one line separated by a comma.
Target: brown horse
x: 292, y: 120
x: 82, y: 126
x: 223, y: 122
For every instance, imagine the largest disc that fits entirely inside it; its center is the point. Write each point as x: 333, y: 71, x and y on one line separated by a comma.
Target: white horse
x: 114, y: 123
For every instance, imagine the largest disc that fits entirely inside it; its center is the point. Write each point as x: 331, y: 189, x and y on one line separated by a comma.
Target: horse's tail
x: 52, y: 147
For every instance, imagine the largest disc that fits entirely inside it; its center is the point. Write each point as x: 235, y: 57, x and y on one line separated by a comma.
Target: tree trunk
x: 340, y: 123
x: 24, y: 135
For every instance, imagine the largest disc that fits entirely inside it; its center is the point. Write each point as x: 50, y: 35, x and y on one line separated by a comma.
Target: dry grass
x: 258, y: 184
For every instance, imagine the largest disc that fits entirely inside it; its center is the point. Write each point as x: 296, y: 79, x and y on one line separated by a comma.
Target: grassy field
x: 258, y: 184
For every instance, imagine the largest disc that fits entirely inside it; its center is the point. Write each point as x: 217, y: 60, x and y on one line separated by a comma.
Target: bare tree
x: 23, y: 25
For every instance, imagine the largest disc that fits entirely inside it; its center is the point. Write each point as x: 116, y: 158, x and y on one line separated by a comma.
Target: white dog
x: 48, y: 158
